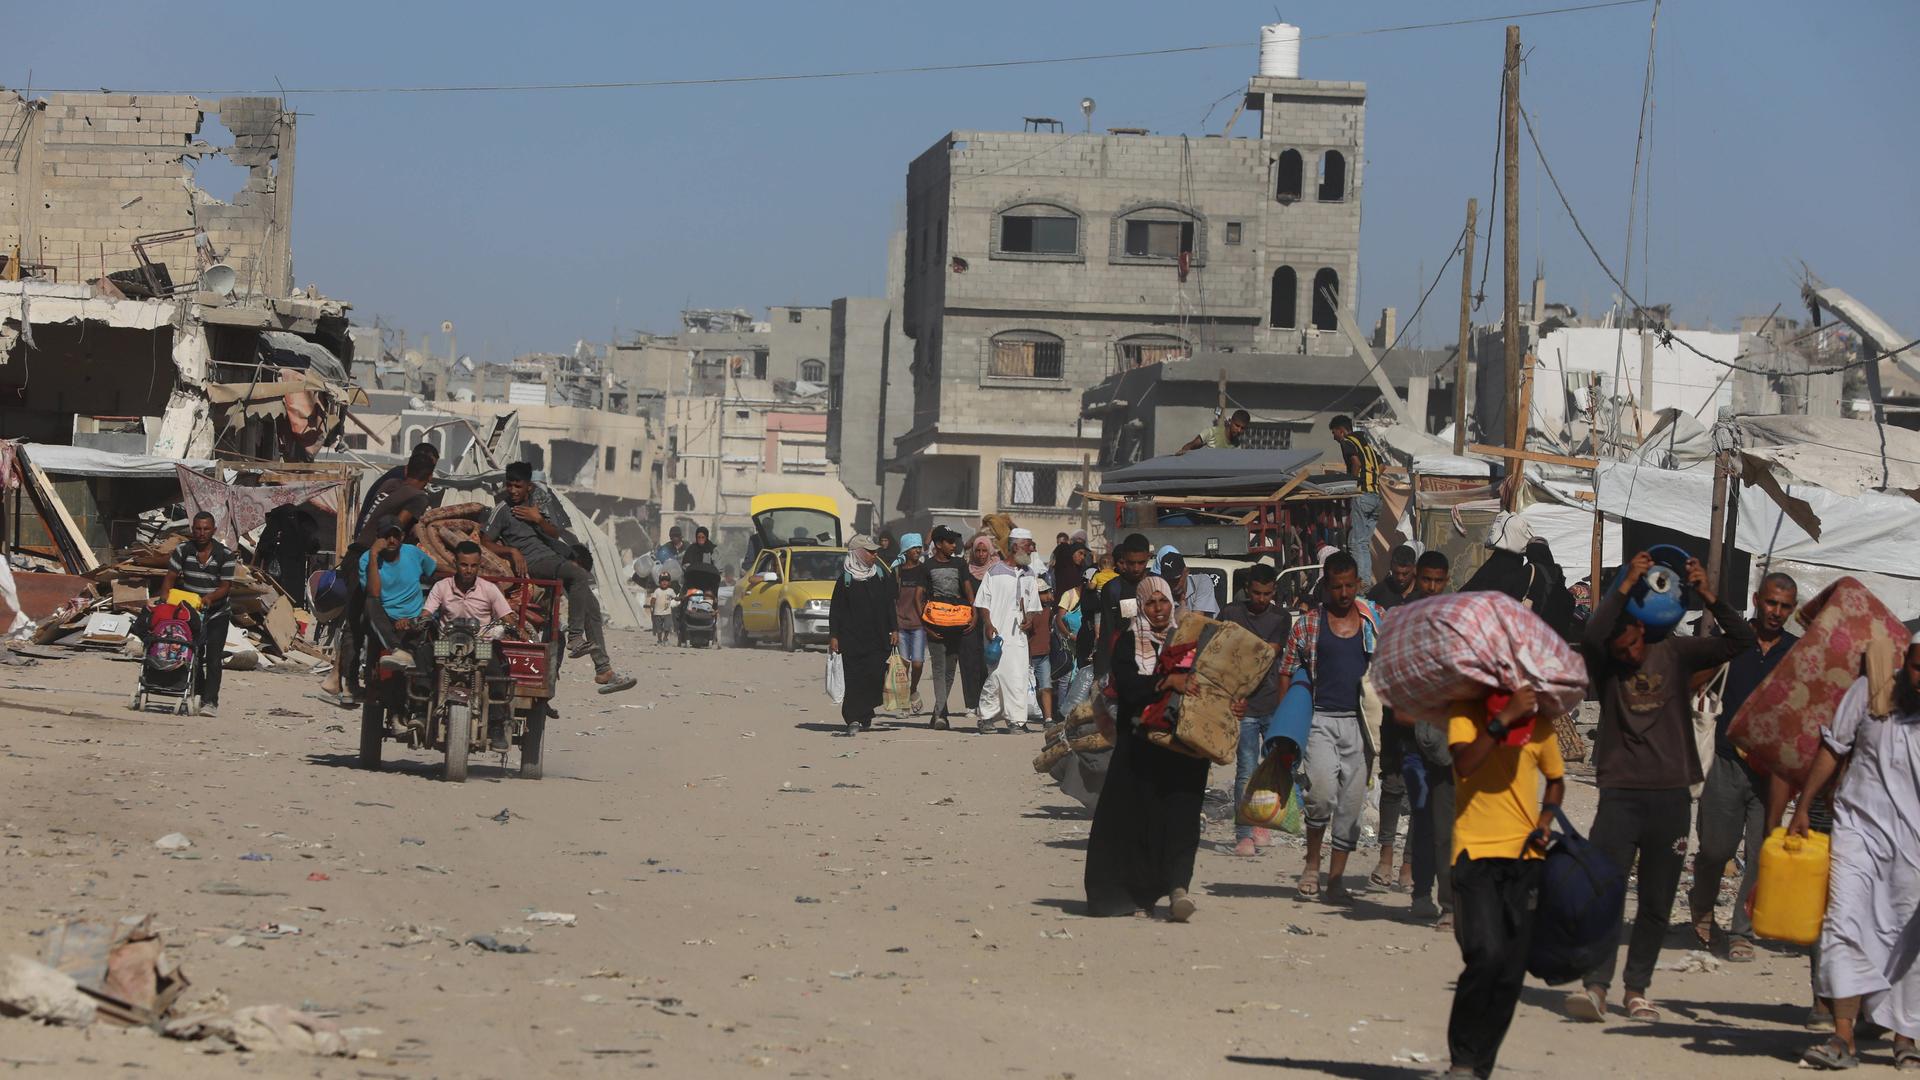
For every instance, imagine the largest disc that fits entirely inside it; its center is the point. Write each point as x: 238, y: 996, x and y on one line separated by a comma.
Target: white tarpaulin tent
x: 1871, y: 532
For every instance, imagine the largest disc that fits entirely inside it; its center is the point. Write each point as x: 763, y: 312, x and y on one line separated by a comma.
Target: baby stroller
x: 169, y: 672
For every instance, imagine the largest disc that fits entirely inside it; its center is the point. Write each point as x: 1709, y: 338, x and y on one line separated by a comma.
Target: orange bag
x: 944, y: 616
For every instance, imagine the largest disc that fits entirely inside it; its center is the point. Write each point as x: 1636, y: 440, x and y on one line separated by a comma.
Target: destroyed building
x: 138, y: 308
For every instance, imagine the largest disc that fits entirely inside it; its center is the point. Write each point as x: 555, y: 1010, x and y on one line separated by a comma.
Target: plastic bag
x: 1265, y: 800
x: 836, y: 678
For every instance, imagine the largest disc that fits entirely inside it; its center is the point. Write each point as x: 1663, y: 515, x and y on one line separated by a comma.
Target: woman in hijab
x: 862, y: 630
x: 981, y: 557
x: 1146, y: 826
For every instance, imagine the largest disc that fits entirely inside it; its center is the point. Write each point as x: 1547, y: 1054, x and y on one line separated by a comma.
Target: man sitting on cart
x: 467, y: 595
x: 394, y: 573
x: 526, y: 529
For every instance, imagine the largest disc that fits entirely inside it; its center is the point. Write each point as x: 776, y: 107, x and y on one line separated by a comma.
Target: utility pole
x: 1516, y: 424
x: 1086, y: 495
x: 1466, y: 335
x: 1220, y: 406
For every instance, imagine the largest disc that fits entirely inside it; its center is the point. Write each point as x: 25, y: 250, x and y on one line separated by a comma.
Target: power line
x: 1668, y: 337
x: 854, y: 73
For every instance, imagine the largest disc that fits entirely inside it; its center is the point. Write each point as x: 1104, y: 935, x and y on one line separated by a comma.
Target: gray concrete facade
x: 1176, y: 246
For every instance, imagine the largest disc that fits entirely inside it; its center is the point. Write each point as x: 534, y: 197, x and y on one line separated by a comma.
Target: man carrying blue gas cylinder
x: 1645, y: 757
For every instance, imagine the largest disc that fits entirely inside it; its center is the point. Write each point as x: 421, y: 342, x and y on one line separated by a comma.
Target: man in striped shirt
x: 203, y: 566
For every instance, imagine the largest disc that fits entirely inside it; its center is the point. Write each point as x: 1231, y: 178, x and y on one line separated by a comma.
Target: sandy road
x: 756, y: 895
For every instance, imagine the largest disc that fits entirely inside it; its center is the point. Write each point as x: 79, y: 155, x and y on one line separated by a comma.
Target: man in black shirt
x: 1101, y: 626
x: 1733, y: 804
x: 424, y: 452
x: 950, y: 585
x: 1397, y: 587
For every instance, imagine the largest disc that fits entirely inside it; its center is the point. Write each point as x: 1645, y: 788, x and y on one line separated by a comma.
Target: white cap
x: 1509, y: 532
x: 1019, y: 534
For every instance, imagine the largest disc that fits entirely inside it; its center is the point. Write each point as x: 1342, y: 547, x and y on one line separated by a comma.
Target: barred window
x: 1143, y: 349
x: 1027, y: 354
x: 1038, y: 485
x: 1267, y: 436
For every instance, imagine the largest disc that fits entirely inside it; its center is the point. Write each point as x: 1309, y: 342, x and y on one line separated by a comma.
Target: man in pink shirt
x: 466, y: 595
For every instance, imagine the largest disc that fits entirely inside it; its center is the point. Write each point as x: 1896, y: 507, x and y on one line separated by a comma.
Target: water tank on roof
x: 1280, y: 51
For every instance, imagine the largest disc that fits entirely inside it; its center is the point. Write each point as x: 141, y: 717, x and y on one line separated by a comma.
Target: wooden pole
x: 1466, y: 336
x: 1594, y: 584
x: 1516, y: 426
x: 1220, y: 406
x: 1716, y: 530
x: 1086, y: 489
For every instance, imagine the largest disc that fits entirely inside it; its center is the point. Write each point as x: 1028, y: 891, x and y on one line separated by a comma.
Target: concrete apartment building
x: 1040, y: 263
x: 871, y: 388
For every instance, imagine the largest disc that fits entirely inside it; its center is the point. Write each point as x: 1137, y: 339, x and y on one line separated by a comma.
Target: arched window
x: 1026, y: 354
x: 1035, y: 229
x: 813, y: 371
x: 1286, y: 297
x: 1292, y: 169
x: 1333, y: 176
x: 1158, y: 232
x: 1326, y: 299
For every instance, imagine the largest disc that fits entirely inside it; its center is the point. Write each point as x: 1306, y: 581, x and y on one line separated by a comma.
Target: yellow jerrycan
x: 1790, y: 895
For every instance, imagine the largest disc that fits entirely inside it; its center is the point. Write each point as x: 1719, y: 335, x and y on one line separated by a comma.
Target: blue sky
x: 1782, y: 132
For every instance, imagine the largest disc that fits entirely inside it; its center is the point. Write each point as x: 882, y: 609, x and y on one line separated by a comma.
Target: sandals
x: 1906, y: 1058
x: 1739, y: 951
x: 1703, y: 930
x: 1378, y: 881
x: 1338, y: 894
x: 1587, y: 1004
x: 1833, y: 1054
x: 1640, y: 1008
x: 1309, y: 886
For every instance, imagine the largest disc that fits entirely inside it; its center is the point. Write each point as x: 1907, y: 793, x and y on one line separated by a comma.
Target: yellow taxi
x: 787, y: 591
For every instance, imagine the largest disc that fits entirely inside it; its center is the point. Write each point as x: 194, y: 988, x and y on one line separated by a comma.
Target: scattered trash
x: 274, y: 929
x: 852, y: 973
x: 806, y: 899
x: 233, y: 941
x: 1253, y: 1006
x: 493, y: 944
x: 1295, y: 928
x: 898, y: 949
x: 948, y: 801
x: 265, y: 1029
x: 318, y: 876
x: 173, y: 841
x: 1697, y: 962
x: 234, y: 888
x: 553, y: 918
x: 255, y: 856
x: 1415, y: 1057
x: 1057, y: 935
x: 431, y: 869
x: 505, y: 815
x: 413, y: 840
x: 123, y: 966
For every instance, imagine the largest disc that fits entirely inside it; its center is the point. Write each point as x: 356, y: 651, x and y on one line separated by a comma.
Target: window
x: 1143, y: 349
x: 1266, y: 436
x: 759, y: 365
x: 1033, y: 232
x: 636, y: 460
x: 682, y: 497
x: 1333, y: 176
x: 1286, y: 286
x: 793, y: 316
x: 1326, y: 299
x: 1159, y: 239
x: 813, y: 371
x: 610, y: 459
x: 1287, y: 184
x: 1026, y: 354
x: 534, y: 454
x: 1233, y: 232
x: 1036, y: 484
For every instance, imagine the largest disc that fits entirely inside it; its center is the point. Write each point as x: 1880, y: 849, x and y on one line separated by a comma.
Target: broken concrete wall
x: 82, y: 175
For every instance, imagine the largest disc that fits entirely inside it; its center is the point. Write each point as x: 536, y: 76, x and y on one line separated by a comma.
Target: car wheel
x: 787, y: 640
x: 740, y: 638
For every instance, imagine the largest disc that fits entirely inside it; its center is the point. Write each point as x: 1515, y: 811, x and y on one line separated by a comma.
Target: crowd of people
x: 1478, y: 795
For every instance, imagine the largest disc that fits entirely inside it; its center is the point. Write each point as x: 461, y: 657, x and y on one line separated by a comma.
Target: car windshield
x: 797, y: 527
x: 817, y: 565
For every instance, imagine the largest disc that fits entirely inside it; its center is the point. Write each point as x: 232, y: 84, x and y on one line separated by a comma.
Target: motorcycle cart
x: 468, y: 692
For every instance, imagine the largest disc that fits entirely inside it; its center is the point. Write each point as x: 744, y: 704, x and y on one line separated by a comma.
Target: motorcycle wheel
x: 530, y: 768
x: 372, y: 731
x: 459, y: 738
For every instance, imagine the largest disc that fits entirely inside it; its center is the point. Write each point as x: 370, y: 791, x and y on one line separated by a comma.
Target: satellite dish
x: 446, y: 327
x: 218, y: 278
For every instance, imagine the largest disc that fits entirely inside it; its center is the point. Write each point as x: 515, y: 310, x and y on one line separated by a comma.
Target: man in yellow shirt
x: 1500, y: 825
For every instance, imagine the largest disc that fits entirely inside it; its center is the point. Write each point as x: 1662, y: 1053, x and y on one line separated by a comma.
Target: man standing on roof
x: 1363, y: 464
x: 526, y: 531
x: 1228, y: 434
